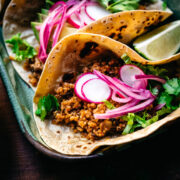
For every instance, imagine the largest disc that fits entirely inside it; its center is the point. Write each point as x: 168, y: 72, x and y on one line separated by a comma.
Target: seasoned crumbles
x: 35, y: 66
x: 78, y: 114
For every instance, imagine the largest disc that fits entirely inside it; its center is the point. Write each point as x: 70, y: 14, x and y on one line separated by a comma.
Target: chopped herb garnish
x: 126, y: 59
x: 46, y: 105
x: 109, y: 105
x: 21, y: 48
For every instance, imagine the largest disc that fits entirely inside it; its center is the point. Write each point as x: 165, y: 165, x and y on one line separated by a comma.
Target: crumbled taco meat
x: 35, y: 66
x: 78, y: 114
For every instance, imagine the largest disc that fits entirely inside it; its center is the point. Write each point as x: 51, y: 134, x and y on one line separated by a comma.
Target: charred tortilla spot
x: 112, y: 35
x: 137, y: 32
x: 120, y: 36
x: 123, y: 27
x: 160, y: 18
x: 76, y: 41
x: 88, y: 48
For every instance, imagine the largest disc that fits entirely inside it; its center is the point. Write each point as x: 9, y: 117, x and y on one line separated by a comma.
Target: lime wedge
x: 160, y: 43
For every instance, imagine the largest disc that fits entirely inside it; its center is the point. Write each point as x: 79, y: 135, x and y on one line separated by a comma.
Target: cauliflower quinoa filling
x: 78, y: 114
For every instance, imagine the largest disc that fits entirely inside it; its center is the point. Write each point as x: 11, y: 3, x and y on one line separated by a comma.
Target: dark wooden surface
x: 155, y: 158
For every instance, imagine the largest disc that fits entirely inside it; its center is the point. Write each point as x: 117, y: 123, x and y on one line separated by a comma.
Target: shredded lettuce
x: 142, y: 120
x: 46, y: 105
x: 21, y: 48
x: 129, y: 125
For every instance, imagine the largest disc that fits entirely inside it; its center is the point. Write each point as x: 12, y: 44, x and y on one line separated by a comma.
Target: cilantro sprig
x: 170, y: 93
x: 123, y: 5
x: 108, y: 104
x: 21, y: 48
x: 46, y: 105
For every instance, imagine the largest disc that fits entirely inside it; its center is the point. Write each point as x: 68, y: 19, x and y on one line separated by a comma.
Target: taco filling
x: 112, y: 97
x: 58, y: 19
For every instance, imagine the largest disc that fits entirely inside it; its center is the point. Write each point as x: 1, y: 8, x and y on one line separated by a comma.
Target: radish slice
x: 96, y: 90
x: 127, y: 74
x: 79, y: 83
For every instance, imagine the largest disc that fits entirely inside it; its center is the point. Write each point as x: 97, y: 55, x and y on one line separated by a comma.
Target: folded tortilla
x: 123, y: 26
x: 68, y: 56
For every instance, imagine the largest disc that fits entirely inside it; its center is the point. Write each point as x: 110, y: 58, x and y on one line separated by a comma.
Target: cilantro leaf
x: 172, y: 86
x: 165, y: 98
x: 154, y: 91
x: 123, y: 5
x: 104, y: 3
x: 21, y: 48
x: 170, y: 94
x: 109, y: 105
x: 164, y: 6
x: 46, y: 105
x: 119, y: 5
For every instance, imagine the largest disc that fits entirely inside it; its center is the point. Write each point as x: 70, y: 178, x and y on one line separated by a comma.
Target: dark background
x: 154, y: 158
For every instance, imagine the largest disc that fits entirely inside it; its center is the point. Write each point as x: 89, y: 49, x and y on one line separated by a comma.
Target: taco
x: 28, y: 42
x: 94, y: 92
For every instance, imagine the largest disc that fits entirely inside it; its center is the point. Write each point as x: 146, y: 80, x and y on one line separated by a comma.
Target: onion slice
x: 150, y: 77
x: 126, y: 106
x: 120, y: 100
x: 122, y: 88
x: 118, y: 113
x: 96, y: 91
